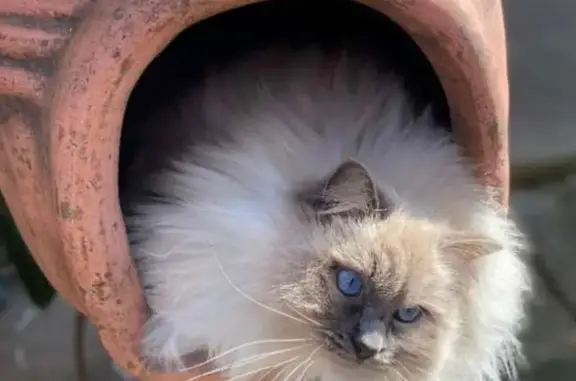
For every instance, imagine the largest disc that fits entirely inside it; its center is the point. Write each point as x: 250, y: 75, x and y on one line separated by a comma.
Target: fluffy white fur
x: 228, y: 207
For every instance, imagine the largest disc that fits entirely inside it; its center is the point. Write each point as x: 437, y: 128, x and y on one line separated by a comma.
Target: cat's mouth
x: 347, y: 349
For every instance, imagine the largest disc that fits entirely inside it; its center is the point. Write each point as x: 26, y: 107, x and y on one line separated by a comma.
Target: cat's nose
x: 362, y: 350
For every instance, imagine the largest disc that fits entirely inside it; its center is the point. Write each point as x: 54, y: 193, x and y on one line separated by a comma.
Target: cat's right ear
x: 349, y: 191
x: 469, y: 246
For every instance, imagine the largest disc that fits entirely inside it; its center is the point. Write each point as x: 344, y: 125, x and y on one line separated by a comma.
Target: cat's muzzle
x: 351, y: 347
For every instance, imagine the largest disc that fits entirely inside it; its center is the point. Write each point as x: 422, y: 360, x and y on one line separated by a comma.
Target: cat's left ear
x: 349, y: 191
x: 469, y: 245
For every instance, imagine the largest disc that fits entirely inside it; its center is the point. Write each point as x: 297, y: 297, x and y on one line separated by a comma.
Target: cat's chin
x: 330, y: 366
x: 375, y: 365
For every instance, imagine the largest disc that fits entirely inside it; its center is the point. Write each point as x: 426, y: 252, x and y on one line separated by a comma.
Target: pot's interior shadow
x: 295, y: 23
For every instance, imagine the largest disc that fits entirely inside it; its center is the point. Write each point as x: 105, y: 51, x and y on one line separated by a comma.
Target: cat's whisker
x: 398, y: 372
x: 257, y: 357
x: 248, y: 297
x: 249, y: 373
x: 261, y: 369
x: 304, y: 316
x: 224, y: 368
x: 287, y: 378
x: 231, y: 350
x: 303, y: 363
x: 413, y: 366
x: 278, y: 374
x: 303, y: 373
x: 266, y: 374
x: 169, y: 251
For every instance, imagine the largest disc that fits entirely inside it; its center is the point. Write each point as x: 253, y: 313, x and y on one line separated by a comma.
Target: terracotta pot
x: 66, y: 71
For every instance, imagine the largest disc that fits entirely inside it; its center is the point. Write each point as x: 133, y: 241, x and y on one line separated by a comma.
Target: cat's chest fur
x: 237, y: 259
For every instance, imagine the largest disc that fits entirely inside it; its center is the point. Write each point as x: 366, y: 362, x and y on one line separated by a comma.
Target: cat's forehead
x: 394, y: 241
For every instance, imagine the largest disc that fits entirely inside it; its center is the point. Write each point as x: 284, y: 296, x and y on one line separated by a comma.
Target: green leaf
x: 37, y: 286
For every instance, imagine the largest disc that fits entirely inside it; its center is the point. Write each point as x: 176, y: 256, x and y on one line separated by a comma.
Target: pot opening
x: 225, y: 37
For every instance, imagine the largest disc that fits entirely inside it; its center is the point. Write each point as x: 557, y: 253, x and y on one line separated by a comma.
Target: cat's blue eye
x: 349, y: 282
x: 408, y: 314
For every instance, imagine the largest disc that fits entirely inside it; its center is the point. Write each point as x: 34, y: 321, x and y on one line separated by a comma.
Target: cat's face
x: 380, y: 289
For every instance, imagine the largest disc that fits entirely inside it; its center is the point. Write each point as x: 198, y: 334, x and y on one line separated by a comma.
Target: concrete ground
x: 37, y: 346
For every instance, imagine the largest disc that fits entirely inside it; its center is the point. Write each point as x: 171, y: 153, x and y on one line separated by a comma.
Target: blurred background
x: 40, y: 335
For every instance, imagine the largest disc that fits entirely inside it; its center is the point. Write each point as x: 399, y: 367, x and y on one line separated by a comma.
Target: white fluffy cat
x: 324, y: 231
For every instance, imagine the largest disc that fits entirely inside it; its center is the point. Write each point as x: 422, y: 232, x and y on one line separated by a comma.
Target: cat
x: 320, y: 228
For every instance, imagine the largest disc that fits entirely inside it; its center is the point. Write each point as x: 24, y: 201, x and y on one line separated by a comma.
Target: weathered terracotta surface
x: 66, y: 70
